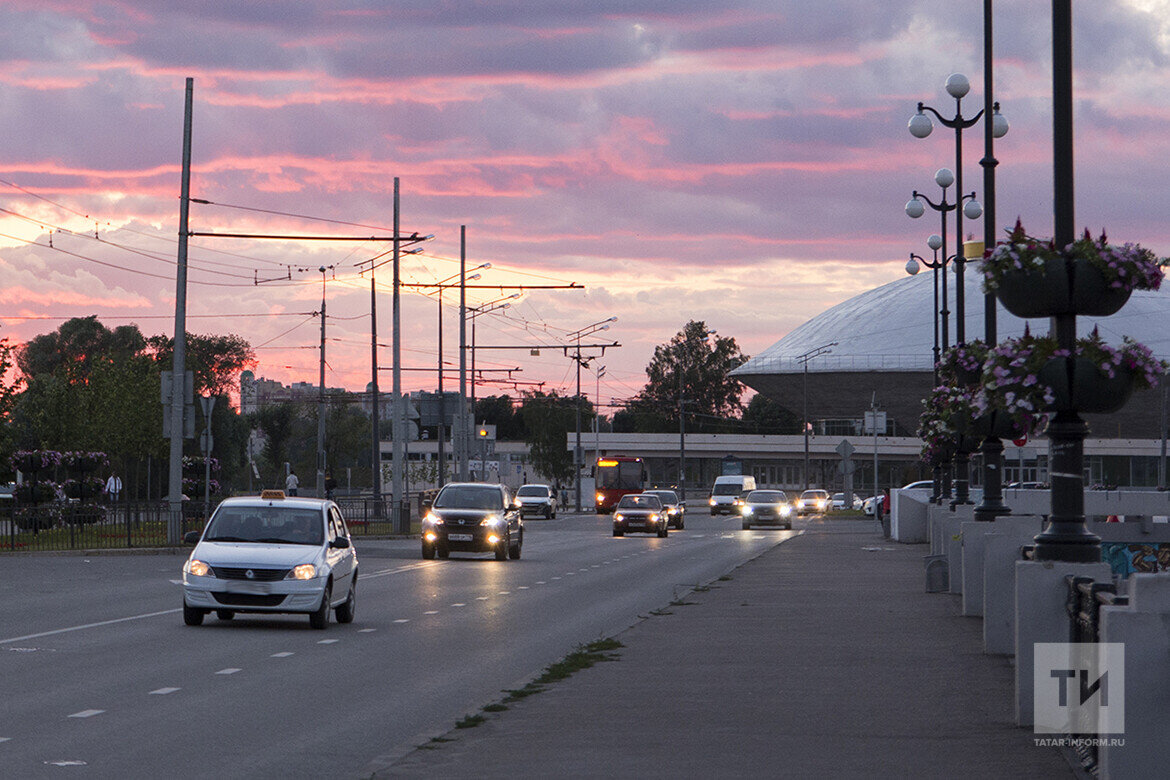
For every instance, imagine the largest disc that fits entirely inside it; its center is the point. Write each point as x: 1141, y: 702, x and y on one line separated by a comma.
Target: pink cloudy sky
x: 743, y: 162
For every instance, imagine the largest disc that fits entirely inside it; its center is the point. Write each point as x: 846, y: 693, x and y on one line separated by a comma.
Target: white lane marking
x: 594, y: 566
x: 229, y: 670
x: 90, y: 625
x: 328, y: 641
x: 66, y: 762
x: 401, y: 569
x: 582, y: 570
x: 86, y: 713
x: 698, y: 536
x: 163, y: 691
x: 431, y: 612
x: 5, y: 739
x: 459, y: 604
x: 570, y: 573
x: 556, y: 578
x: 176, y: 582
x: 522, y: 587
x: 481, y: 598
x: 285, y: 654
x: 402, y: 620
x: 505, y: 592
x: 366, y: 630
x: 541, y: 582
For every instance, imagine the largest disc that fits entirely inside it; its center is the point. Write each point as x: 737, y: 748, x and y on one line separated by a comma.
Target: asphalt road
x: 100, y: 678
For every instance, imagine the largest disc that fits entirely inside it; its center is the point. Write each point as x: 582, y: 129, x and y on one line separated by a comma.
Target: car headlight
x: 711, y: 500
x: 619, y: 518
x: 198, y: 568
x: 747, y: 510
x: 785, y: 510
x: 600, y: 497
x: 800, y: 505
x: 492, y: 520
x: 433, y: 519
x: 654, y: 518
x: 306, y: 571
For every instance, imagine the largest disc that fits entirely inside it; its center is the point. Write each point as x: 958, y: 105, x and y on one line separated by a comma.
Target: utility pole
x: 178, y: 375
x: 462, y: 454
x: 321, y: 400
x: 682, y: 439
x: 375, y: 396
x: 401, y: 524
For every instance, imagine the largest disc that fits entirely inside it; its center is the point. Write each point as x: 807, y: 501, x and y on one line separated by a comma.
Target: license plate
x: 253, y: 588
x: 460, y: 537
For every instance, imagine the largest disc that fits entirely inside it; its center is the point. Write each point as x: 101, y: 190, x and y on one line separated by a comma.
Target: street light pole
x: 321, y: 400
x: 586, y: 331
x: 824, y: 349
x: 439, y: 433
x: 935, y: 242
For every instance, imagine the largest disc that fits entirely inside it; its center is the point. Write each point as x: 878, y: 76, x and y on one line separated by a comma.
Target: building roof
x: 890, y: 328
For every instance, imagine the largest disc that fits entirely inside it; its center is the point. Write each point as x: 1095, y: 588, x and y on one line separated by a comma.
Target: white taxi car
x: 271, y: 554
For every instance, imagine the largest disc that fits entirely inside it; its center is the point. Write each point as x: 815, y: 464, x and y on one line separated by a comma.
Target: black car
x: 473, y: 517
x: 640, y: 512
x: 672, y: 505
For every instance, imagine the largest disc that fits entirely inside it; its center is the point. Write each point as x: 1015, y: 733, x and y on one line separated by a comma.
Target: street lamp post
x: 472, y: 314
x: 824, y: 349
x: 442, y: 285
x: 935, y: 242
x: 576, y: 335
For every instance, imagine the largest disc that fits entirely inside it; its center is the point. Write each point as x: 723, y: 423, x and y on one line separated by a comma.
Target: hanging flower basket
x: 962, y: 364
x: 1088, y: 389
x: 1032, y: 278
x: 997, y: 424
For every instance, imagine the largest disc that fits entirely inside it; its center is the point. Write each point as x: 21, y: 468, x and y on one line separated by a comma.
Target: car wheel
x: 224, y: 614
x: 664, y: 531
x: 502, y: 550
x: 347, y: 610
x: 788, y: 527
x: 320, y: 618
x: 681, y: 523
x: 428, y: 551
x: 747, y: 526
x: 548, y: 513
x: 443, y: 551
x: 514, y: 551
x: 618, y: 531
x: 193, y: 616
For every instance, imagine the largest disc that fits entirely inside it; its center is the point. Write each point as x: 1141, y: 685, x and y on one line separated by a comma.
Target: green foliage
x: 216, y: 361
x: 498, y: 410
x: 276, y: 423
x: 765, y: 416
x: 549, y: 418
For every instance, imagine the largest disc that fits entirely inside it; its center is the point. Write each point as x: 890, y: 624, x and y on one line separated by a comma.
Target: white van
x: 728, y: 492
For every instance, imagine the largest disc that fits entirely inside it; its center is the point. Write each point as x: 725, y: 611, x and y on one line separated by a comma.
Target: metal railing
x: 56, y: 526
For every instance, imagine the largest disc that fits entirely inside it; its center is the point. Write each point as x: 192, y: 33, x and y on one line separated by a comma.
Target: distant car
x: 672, y: 505
x: 867, y: 506
x: 1027, y: 485
x: 812, y: 502
x: 922, y: 484
x: 271, y: 553
x: 640, y: 512
x: 728, y: 492
x: 838, y: 502
x: 766, y: 507
x: 473, y: 517
x: 537, y: 500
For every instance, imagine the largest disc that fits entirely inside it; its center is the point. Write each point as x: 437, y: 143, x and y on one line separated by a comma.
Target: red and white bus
x: 615, y: 476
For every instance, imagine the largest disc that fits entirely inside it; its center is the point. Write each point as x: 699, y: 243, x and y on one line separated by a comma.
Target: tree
x: 216, y: 361
x: 276, y: 423
x: 10, y: 385
x: 72, y: 349
x: 699, y: 368
x: 549, y: 418
x: 498, y: 410
x: 763, y: 415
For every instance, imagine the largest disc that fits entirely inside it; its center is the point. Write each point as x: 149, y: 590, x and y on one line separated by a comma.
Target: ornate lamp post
x: 935, y: 242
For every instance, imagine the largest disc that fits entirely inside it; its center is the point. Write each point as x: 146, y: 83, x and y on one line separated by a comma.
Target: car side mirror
x: 192, y: 537
x: 340, y: 543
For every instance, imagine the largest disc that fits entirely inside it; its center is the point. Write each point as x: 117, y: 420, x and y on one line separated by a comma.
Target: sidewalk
x: 821, y: 658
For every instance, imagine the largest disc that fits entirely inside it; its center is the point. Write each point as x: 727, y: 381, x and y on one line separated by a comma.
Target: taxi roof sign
x: 271, y: 494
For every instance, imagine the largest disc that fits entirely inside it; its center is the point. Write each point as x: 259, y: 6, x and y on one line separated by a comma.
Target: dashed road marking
x: 459, y: 604
x: 66, y: 762
x: 366, y: 630
x: 86, y: 713
x: 541, y: 582
x: 505, y: 592
x: 229, y: 670
x: 402, y: 620
x: 5, y: 739
x: 163, y: 691
x: 481, y: 598
x: 285, y: 654
x: 556, y: 578
x: 328, y: 641
x: 431, y: 612
x: 522, y: 587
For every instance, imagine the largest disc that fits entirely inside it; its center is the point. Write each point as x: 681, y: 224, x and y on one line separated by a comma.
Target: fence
x: 75, y: 526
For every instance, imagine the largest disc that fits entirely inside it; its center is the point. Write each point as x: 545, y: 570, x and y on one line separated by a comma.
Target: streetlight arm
x: 944, y: 206
x: 955, y: 122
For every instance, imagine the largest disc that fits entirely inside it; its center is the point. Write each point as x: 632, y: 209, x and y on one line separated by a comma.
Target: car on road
x: 476, y: 517
x: 767, y: 507
x: 672, y: 505
x: 922, y: 484
x: 838, y: 501
x: 812, y: 502
x: 728, y: 492
x: 537, y: 500
x: 271, y: 553
x: 640, y: 512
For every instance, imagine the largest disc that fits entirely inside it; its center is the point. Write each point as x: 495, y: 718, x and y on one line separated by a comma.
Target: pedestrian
x: 886, y: 502
x: 113, y: 488
x: 330, y: 485
x: 291, y: 483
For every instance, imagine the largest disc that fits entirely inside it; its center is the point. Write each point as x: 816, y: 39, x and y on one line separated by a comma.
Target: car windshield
x: 468, y: 497
x: 266, y: 524
x: 813, y: 494
x: 529, y: 491
x: 726, y: 489
x: 666, y: 496
x: 766, y: 497
x: 640, y: 502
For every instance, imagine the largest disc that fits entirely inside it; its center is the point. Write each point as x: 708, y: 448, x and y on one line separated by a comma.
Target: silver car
x: 272, y: 554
